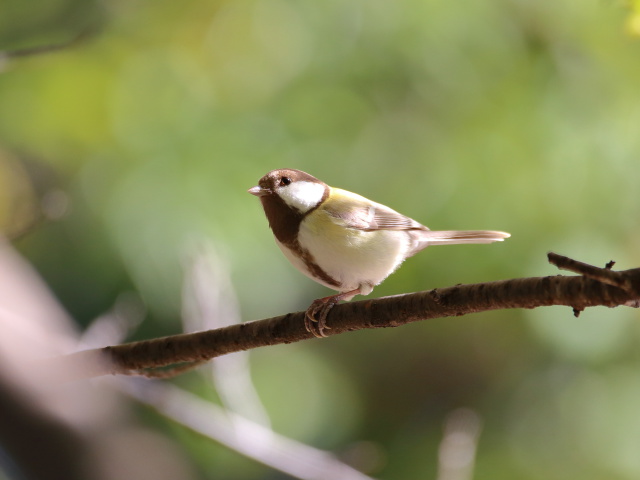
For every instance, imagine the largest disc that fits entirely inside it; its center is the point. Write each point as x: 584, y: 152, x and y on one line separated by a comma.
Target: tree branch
x: 596, y: 286
x: 40, y: 49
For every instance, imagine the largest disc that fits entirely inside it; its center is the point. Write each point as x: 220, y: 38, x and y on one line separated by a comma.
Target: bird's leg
x: 320, y: 308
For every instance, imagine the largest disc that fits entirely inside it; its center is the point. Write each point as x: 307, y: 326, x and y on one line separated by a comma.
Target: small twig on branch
x: 604, y: 275
x: 596, y: 286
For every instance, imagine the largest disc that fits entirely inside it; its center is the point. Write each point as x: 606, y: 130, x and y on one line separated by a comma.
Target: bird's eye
x: 284, y: 181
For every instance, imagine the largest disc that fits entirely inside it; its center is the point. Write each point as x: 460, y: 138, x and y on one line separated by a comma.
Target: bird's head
x: 294, y: 189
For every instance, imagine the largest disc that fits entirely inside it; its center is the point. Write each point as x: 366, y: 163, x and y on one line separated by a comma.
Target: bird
x: 343, y: 240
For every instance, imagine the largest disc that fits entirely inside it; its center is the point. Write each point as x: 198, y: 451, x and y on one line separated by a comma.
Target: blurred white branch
x: 457, y: 452
x: 116, y: 324
x: 279, y: 452
x: 50, y: 430
x: 209, y: 301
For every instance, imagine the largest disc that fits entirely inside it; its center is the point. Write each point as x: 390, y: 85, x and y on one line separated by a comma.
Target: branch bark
x: 594, y: 287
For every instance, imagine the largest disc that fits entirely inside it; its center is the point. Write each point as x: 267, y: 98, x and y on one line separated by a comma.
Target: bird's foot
x: 315, y: 318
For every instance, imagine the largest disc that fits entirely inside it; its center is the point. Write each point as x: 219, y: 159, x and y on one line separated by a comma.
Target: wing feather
x: 354, y: 211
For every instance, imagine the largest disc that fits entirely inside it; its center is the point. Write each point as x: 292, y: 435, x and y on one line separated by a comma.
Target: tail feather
x: 427, y: 238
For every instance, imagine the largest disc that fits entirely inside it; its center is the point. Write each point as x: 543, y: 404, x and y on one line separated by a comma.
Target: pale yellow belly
x: 352, y: 257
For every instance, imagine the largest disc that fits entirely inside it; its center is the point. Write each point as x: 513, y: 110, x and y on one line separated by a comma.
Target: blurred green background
x: 515, y: 115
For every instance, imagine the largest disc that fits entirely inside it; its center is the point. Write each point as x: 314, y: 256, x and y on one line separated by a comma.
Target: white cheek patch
x: 302, y: 196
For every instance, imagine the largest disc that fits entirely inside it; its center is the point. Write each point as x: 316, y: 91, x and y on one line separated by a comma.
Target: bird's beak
x: 258, y: 191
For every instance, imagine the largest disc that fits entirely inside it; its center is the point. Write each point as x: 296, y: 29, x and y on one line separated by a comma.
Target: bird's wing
x: 353, y: 211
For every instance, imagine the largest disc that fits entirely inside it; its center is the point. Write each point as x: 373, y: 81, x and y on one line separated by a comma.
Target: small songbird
x: 343, y: 240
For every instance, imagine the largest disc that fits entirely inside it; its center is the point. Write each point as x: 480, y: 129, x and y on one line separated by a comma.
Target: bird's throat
x: 283, y: 220
x: 285, y: 224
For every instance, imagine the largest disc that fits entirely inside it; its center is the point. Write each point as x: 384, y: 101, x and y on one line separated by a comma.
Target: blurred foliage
x: 516, y: 115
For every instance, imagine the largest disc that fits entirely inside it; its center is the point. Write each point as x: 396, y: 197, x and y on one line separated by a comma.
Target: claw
x: 315, y: 318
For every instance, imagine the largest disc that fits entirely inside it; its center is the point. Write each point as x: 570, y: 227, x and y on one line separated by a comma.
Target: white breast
x: 355, y: 258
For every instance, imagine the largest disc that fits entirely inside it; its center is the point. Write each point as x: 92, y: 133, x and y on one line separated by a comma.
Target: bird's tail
x: 453, y: 237
x: 426, y: 238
